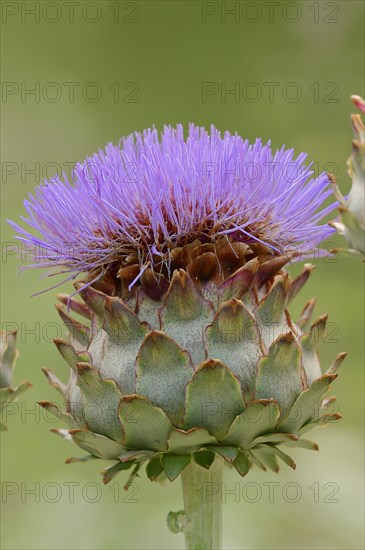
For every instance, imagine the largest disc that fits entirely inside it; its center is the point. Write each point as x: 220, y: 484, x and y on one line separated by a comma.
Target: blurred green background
x: 101, y: 70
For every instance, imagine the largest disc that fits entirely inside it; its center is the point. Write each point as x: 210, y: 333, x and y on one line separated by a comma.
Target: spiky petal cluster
x: 8, y: 357
x: 351, y: 222
x: 147, y: 196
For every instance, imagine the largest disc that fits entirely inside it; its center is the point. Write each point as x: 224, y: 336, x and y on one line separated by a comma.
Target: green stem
x: 202, y: 490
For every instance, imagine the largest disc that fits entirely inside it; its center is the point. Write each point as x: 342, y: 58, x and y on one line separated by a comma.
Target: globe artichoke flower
x: 188, y: 358
x: 8, y: 357
x: 351, y: 221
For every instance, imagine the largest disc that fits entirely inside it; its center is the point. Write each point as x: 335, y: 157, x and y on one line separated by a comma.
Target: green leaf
x: 354, y: 231
x: 337, y: 363
x: 187, y: 442
x: 125, y: 336
x: 92, y: 297
x: 121, y: 323
x: 54, y: 381
x: 154, y: 468
x: 255, y: 460
x: 74, y: 459
x: 204, y: 458
x: 279, y: 375
x: 9, y: 355
x: 110, y: 473
x: 11, y: 394
x: 132, y: 476
x: 55, y: 411
x: 147, y: 309
x: 75, y: 305
x: 233, y: 338
x: 96, y: 444
x: 302, y: 443
x: 77, y: 330
x: 267, y: 457
x: 228, y: 453
x: 75, y: 404
x: 306, y: 315
x: 321, y: 421
x: 275, y: 438
x: 213, y: 398
x: 173, y: 465
x: 241, y: 463
x: 5, y: 395
x: 176, y: 521
x: 260, y: 417
x: 22, y: 387
x: 136, y: 455
x: 284, y: 457
x: 307, y: 406
x: 145, y: 426
x: 185, y: 314
x: 70, y: 355
x: 163, y: 370
x: 101, y: 400
x: 297, y: 284
x: 270, y: 311
x: 309, y: 346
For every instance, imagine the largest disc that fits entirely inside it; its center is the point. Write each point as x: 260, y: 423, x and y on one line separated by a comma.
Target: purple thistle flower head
x: 147, y: 196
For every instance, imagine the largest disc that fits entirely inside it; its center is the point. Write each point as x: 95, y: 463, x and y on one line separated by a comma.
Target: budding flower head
x: 8, y: 358
x: 183, y: 241
x: 137, y: 201
x: 351, y: 221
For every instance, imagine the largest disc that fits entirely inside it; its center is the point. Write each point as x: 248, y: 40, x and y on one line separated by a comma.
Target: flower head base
x: 135, y: 203
x: 184, y: 379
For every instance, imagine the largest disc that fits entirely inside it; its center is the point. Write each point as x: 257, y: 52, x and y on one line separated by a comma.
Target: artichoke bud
x: 8, y: 358
x: 204, y: 363
x: 351, y: 221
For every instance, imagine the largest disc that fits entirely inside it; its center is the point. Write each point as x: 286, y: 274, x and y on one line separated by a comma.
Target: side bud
x: 351, y: 222
x: 8, y: 357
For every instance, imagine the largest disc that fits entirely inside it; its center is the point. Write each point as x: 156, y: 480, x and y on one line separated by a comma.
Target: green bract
x: 8, y: 357
x: 199, y: 371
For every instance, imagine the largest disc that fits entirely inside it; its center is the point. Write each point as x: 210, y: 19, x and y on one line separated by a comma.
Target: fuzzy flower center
x: 136, y: 202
